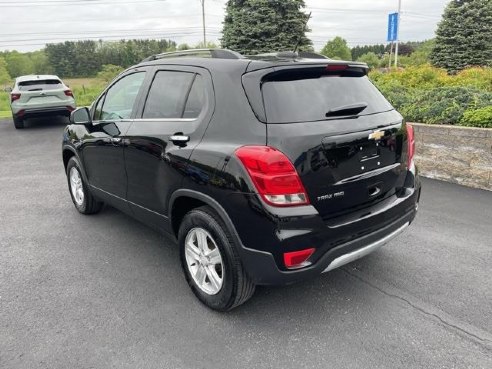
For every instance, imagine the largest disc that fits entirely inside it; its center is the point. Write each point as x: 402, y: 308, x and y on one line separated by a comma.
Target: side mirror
x: 8, y: 89
x: 81, y: 116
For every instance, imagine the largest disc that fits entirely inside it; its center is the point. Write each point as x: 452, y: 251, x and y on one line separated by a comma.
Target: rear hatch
x: 43, y: 92
x: 344, y: 138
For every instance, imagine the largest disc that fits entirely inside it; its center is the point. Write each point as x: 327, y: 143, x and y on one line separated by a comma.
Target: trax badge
x: 331, y: 196
x: 377, y: 135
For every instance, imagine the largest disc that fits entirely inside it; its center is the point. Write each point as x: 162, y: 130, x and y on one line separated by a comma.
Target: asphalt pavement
x: 105, y: 291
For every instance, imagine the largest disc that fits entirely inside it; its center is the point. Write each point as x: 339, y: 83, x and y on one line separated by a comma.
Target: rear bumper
x: 335, y: 245
x: 263, y: 269
x: 36, y: 112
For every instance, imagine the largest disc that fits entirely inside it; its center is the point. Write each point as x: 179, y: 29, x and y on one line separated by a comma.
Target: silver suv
x: 40, y: 95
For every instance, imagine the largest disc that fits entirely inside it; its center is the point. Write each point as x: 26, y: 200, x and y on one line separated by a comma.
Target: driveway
x: 105, y: 291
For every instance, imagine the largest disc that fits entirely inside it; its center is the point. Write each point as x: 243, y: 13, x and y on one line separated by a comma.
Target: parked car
x: 268, y: 170
x: 40, y: 95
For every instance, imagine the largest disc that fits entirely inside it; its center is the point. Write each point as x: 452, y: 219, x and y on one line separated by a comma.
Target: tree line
x: 80, y: 58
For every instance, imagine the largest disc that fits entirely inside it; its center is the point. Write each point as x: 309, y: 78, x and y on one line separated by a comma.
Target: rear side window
x: 40, y: 85
x: 174, y: 95
x: 196, y: 99
x: 295, y: 97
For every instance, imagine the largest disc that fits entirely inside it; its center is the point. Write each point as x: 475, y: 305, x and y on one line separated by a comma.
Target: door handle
x: 179, y: 139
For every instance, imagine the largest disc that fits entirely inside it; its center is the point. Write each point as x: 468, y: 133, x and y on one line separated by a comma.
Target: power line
x: 159, y: 34
x: 176, y: 29
x: 74, y: 3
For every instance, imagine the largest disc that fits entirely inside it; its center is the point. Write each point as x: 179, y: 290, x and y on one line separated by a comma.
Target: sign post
x: 397, y: 34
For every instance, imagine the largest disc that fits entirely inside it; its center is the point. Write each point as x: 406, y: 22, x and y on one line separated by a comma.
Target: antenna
x: 303, y: 30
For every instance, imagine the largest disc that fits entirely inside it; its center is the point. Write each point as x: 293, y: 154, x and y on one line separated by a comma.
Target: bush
x: 370, y: 58
x: 429, y: 95
x: 443, y: 105
x: 477, y: 118
x: 480, y: 78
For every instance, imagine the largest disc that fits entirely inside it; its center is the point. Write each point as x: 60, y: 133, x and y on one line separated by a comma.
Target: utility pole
x: 397, y: 34
x: 203, y: 22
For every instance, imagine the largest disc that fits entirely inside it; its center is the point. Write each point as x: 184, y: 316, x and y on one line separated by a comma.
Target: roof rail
x: 283, y: 55
x: 198, y: 53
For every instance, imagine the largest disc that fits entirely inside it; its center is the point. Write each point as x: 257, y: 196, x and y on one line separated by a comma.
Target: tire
x: 82, y: 198
x: 18, y: 122
x: 236, y: 287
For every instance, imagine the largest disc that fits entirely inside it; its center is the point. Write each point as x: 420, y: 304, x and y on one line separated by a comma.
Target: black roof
x: 228, y: 60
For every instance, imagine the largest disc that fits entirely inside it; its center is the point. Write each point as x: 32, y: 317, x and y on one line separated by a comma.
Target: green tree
x: 4, y: 74
x: 337, y: 49
x: 464, y: 35
x: 370, y: 59
x: 18, y: 64
x: 358, y: 51
x: 259, y: 26
x: 41, y: 64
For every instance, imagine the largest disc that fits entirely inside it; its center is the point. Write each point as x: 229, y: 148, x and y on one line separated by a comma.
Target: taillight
x: 297, y: 259
x: 14, y: 97
x: 411, y: 144
x: 273, y: 175
x: 69, y: 93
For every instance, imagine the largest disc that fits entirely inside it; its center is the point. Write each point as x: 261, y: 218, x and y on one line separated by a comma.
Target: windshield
x: 314, y: 99
x: 40, y: 84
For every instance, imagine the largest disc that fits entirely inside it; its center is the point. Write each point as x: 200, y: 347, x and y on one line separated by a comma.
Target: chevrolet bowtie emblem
x: 376, y: 135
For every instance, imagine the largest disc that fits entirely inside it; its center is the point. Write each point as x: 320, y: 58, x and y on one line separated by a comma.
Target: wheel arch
x: 191, y: 200
x: 69, y: 152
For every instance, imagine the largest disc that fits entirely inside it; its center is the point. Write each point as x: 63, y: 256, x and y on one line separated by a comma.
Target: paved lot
x: 104, y: 291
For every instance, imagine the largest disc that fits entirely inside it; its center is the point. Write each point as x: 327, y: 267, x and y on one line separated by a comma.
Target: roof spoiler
x: 288, y: 55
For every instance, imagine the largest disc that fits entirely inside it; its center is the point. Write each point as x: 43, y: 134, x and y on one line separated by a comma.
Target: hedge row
x: 429, y: 95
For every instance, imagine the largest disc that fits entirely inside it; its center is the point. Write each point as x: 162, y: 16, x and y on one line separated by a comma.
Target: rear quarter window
x: 308, y: 97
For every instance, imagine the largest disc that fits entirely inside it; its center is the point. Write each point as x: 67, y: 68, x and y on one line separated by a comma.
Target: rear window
x: 302, y: 97
x: 40, y: 85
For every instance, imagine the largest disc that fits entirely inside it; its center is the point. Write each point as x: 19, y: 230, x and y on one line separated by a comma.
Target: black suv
x: 267, y: 169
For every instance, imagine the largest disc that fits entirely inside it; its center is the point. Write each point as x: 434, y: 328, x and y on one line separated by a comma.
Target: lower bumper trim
x: 357, y: 254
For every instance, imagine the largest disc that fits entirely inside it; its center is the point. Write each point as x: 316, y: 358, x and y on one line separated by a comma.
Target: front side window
x: 173, y: 96
x: 120, y: 98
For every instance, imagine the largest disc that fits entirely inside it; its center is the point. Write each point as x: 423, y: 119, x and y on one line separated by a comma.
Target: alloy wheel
x: 76, y: 186
x: 204, y: 261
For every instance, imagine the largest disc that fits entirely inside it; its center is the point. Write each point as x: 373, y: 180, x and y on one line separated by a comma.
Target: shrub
x: 370, y: 58
x: 444, y: 105
x: 477, y: 118
x: 476, y: 77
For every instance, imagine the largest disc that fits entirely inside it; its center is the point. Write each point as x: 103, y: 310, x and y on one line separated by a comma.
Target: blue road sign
x: 393, y: 27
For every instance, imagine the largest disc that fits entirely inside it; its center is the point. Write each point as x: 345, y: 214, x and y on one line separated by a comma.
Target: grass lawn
x: 80, y: 82
x: 5, y: 114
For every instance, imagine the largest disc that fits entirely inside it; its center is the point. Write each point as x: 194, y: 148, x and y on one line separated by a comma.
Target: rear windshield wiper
x: 345, y: 110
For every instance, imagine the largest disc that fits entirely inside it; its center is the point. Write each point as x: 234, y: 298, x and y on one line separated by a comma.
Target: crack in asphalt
x: 484, y: 342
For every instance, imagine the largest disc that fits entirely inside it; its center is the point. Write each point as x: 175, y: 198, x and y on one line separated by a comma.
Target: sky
x: 27, y: 25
